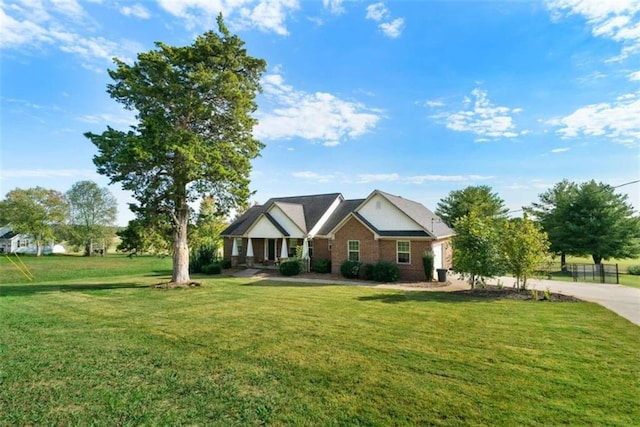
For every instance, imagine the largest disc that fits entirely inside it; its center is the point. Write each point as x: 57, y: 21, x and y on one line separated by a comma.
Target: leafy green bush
x: 428, y: 264
x: 385, y: 271
x: 213, y: 268
x: 290, y: 268
x: 350, y: 269
x: 322, y: 265
x: 225, y: 263
x: 634, y: 269
x: 367, y: 271
x: 201, y: 256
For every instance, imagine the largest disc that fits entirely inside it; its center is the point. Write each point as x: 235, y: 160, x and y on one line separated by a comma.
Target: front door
x: 271, y: 249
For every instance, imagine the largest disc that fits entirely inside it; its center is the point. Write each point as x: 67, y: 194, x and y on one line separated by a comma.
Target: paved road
x: 622, y: 300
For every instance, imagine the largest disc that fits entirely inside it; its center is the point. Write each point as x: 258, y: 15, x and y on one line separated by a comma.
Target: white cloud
x: 432, y: 103
x: 264, y: 15
x: 137, y: 10
x: 268, y: 15
x: 560, y: 150
x: 614, y: 19
x: 635, y: 76
x: 318, y: 116
x: 334, y: 6
x: 380, y: 177
x: 389, y: 177
x: 483, y: 119
x: 47, y: 173
x: 36, y: 28
x: 377, y: 11
x: 619, y: 120
x: 314, y: 176
x: 392, y: 29
x: 123, y: 118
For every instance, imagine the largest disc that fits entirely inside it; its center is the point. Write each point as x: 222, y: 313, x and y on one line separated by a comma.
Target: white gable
x: 264, y: 228
x: 385, y: 216
x: 285, y: 222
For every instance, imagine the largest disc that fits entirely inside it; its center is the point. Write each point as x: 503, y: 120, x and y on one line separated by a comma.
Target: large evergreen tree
x: 480, y: 199
x: 589, y: 219
x: 552, y: 211
x: 194, y: 108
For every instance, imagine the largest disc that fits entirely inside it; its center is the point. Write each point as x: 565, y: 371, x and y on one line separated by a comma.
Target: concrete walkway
x: 622, y: 300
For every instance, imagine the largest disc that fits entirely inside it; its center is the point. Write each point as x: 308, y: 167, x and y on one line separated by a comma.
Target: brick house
x: 380, y: 227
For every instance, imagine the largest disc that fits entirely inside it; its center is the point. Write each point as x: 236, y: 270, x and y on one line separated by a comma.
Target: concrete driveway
x: 622, y: 300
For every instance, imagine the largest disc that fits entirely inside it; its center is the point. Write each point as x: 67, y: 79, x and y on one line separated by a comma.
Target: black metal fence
x: 598, y: 273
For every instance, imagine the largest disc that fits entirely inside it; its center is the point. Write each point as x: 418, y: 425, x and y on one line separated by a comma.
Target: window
x: 310, y: 242
x: 330, y: 244
x: 403, y: 250
x: 353, y: 250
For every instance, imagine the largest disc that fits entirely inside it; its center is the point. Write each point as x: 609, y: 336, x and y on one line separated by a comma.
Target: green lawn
x: 110, y: 350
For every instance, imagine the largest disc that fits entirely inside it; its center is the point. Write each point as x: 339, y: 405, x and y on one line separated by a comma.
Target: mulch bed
x: 511, y: 293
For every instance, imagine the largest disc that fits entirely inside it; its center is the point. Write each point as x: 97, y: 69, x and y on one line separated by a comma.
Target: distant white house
x: 11, y: 243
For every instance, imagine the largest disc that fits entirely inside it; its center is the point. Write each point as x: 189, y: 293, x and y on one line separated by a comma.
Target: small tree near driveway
x: 476, y: 249
x: 523, y: 247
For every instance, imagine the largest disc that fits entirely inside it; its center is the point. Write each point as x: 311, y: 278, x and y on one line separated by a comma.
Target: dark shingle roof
x: 306, y: 214
x: 420, y: 214
x: 8, y: 235
x: 341, y: 212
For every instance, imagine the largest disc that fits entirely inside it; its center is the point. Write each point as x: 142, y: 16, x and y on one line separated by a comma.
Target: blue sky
x: 416, y: 98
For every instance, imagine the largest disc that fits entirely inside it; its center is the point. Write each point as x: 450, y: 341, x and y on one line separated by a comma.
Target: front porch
x: 264, y: 252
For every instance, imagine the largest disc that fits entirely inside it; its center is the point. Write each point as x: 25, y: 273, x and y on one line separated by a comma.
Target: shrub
x: 350, y: 269
x: 201, y: 256
x: 428, y: 264
x: 213, y: 268
x: 290, y: 268
x: 385, y: 271
x: 367, y: 271
x: 225, y: 263
x: 634, y: 269
x: 322, y: 266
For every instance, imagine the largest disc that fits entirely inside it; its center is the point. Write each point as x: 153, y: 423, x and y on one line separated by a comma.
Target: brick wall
x: 372, y: 251
x: 353, y: 230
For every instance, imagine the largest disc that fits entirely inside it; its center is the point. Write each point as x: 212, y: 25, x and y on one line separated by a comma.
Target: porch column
x: 284, y: 253
x: 234, y: 253
x: 250, y: 258
x: 305, y: 254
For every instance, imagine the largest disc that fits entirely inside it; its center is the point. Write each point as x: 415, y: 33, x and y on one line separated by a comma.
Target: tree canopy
x: 36, y: 212
x: 92, y: 214
x: 194, y: 136
x: 588, y: 219
x: 480, y: 199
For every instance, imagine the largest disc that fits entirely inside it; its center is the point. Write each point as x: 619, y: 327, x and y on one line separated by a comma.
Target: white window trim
x: 349, y: 250
x: 398, y: 252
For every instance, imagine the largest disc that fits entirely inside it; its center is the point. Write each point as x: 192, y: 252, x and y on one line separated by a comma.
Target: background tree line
x: 586, y: 219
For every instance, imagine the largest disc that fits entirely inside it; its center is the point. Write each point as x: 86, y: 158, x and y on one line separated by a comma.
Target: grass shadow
x: 25, y: 290
x: 285, y: 284
x: 431, y: 296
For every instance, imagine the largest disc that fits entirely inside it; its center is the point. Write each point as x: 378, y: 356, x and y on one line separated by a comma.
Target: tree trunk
x: 87, y: 249
x: 563, y: 262
x: 597, y: 259
x: 38, y: 248
x: 181, y: 248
